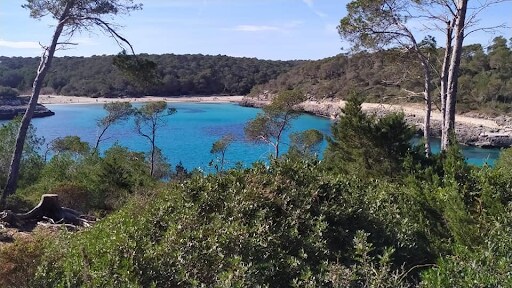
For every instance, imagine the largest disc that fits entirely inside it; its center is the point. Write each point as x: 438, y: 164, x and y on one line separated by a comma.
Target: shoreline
x: 58, y: 99
x: 492, y: 132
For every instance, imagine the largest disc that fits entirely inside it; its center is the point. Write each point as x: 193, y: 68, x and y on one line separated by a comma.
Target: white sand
x: 57, y: 99
x: 414, y: 109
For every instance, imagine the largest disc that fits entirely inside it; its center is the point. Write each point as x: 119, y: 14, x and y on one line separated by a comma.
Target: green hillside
x: 393, y: 76
x: 179, y: 74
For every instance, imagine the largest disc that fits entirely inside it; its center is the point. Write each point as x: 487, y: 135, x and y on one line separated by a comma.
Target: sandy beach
x: 331, y: 106
x: 57, y: 99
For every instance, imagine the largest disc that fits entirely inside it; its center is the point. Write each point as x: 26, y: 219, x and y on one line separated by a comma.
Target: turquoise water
x: 188, y: 135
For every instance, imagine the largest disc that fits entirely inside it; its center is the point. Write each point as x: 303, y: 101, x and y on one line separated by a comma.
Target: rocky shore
x: 471, y: 130
x: 12, y: 107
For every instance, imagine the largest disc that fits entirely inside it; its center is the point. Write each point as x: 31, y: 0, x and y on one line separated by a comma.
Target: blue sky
x: 267, y: 29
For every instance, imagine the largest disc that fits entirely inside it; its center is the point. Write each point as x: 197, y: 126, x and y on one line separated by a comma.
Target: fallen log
x: 48, y: 210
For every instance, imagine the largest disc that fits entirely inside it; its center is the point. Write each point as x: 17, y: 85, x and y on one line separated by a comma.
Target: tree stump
x: 48, y: 209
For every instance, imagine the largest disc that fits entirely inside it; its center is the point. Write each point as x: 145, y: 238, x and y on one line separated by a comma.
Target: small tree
x: 70, y: 144
x: 268, y: 127
x: 72, y: 16
x: 377, y: 24
x: 161, y: 167
x: 219, y: 148
x: 306, y: 143
x: 148, y: 119
x: 116, y: 112
x: 366, y: 146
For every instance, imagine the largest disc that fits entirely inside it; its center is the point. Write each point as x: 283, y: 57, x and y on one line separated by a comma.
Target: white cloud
x: 311, y: 6
x: 293, y: 24
x: 256, y: 28
x: 19, y: 44
x: 309, y: 3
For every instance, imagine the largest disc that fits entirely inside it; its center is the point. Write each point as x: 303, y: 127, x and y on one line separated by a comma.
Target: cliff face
x: 12, y: 107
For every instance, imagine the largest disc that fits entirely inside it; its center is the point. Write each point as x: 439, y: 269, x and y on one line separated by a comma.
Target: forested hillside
x: 180, y: 75
x: 393, y: 76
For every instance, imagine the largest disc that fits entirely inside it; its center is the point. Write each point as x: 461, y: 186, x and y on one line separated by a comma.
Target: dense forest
x: 179, y: 75
x: 394, y: 76
x: 387, y: 76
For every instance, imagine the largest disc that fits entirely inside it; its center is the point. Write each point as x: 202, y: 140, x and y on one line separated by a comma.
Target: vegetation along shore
x: 375, y: 210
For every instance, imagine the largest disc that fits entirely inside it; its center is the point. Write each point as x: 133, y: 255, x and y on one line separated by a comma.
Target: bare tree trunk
x: 152, y: 168
x: 97, y: 145
x: 44, y: 66
x: 428, y: 105
x: 453, y: 72
x: 444, y: 82
x: 153, y: 144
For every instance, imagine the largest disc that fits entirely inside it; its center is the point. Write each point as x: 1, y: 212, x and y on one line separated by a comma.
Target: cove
x: 189, y: 134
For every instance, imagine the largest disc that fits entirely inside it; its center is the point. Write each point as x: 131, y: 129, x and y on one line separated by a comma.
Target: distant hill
x: 392, y: 76
x: 180, y: 74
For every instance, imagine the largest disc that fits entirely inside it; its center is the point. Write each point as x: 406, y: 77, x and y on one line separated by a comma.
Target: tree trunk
x: 97, y: 145
x: 453, y: 72
x: 153, y: 148
x: 444, y: 81
x: 44, y: 66
x: 428, y: 105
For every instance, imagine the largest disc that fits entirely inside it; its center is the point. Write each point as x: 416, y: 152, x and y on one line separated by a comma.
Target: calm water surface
x: 188, y: 135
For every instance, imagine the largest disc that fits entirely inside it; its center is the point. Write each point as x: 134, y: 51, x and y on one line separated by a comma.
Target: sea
x: 187, y: 136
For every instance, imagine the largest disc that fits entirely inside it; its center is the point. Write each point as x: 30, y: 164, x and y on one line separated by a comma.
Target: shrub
x: 284, y: 225
x: 19, y: 261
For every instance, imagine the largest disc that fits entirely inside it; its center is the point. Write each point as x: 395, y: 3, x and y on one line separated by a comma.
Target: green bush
x: 285, y: 225
x: 19, y: 261
x: 366, y: 146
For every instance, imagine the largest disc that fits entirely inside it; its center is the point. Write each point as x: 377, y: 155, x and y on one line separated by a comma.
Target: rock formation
x: 11, y: 107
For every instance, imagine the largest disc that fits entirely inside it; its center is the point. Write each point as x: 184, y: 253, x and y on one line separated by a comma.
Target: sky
x: 265, y: 29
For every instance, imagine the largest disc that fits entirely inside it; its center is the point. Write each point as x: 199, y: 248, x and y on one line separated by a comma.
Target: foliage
x: 286, y: 225
x: 140, y: 71
x: 306, y: 143
x: 19, y: 261
x: 95, y: 76
x: 268, y: 126
x: 91, y: 183
x: 390, y: 76
x: 435, y: 223
x: 8, y: 92
x: 31, y: 161
x: 148, y: 120
x: 368, y: 271
x: 70, y: 144
x: 365, y: 145
x: 219, y: 148
x: 116, y: 112
x: 162, y: 168
x: 180, y: 173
